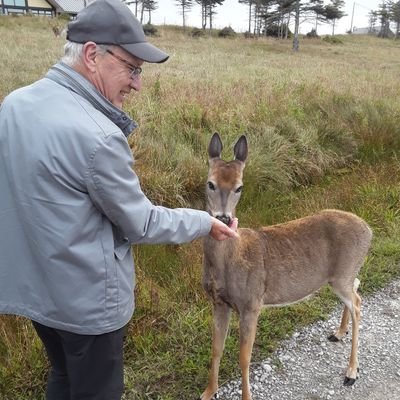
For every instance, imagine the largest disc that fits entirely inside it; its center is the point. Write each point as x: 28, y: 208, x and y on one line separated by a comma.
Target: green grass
x: 323, y: 128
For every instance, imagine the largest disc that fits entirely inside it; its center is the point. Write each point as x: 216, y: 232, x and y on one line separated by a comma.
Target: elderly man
x: 71, y: 205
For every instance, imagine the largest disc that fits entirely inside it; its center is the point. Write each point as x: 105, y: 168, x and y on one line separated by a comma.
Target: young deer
x: 275, y: 265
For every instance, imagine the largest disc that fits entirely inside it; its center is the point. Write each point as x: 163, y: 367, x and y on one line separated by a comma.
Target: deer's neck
x: 217, y: 254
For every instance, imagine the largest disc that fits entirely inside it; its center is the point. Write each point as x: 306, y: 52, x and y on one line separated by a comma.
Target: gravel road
x: 309, y: 367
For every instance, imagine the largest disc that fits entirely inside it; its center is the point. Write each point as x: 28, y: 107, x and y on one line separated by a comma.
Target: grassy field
x: 324, y: 132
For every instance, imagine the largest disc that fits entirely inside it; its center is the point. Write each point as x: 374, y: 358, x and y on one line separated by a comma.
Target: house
x: 365, y: 31
x: 71, y: 7
x: 38, y: 7
x: 376, y: 31
x: 42, y: 7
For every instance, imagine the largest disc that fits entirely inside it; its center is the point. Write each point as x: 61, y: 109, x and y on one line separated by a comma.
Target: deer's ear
x: 240, y: 150
x: 215, y: 146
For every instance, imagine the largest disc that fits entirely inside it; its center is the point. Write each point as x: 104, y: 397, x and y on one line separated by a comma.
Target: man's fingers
x: 231, y: 232
x: 220, y: 231
x: 234, y: 224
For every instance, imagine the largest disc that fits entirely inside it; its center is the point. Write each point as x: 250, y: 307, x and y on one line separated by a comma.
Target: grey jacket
x: 71, y: 206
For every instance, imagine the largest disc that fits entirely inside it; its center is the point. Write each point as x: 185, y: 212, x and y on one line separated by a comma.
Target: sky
x: 232, y: 13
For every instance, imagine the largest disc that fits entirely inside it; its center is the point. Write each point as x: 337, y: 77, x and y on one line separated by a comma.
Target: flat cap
x: 112, y: 22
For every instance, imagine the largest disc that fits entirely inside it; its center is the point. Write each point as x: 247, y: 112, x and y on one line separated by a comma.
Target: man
x: 71, y: 205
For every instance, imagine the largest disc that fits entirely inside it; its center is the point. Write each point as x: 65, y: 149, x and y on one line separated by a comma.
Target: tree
x: 285, y: 10
x: 296, y: 27
x: 333, y: 12
x: 373, y: 18
x: 185, y: 6
x: 136, y: 3
x: 265, y: 16
x: 384, y: 17
x: 395, y: 17
x: 147, y: 6
x: 317, y: 8
x: 250, y: 3
x: 208, y: 10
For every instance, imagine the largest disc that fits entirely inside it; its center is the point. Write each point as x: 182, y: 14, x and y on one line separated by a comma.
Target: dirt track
x: 312, y: 368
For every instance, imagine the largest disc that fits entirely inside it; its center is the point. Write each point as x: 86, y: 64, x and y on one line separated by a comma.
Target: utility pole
x: 352, y: 18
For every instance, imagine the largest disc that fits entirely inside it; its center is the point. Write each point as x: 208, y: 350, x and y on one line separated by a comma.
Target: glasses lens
x: 136, y: 71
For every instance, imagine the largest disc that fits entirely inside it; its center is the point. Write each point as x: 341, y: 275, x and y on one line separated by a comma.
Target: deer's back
x: 269, y: 265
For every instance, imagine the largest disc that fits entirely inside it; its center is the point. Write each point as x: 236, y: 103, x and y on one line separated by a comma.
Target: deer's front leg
x: 248, y: 327
x: 222, y: 313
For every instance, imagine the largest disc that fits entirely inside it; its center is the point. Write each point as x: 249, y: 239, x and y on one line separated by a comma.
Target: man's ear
x: 89, y: 56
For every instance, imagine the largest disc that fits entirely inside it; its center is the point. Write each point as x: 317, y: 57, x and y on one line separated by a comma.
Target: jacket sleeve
x: 115, y: 190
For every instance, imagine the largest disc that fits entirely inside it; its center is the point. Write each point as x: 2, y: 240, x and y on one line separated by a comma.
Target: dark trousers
x: 83, y: 367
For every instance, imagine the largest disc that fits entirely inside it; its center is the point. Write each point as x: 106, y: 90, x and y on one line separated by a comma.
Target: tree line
x: 380, y: 20
x: 263, y: 15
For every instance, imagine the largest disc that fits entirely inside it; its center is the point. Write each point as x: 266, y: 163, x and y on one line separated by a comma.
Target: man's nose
x: 136, y: 83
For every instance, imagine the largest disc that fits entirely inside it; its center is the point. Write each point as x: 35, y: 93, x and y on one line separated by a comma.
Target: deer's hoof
x: 333, y: 338
x: 348, y: 381
x: 208, y: 394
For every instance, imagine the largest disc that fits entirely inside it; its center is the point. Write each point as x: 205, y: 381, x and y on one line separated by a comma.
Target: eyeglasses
x: 134, y: 71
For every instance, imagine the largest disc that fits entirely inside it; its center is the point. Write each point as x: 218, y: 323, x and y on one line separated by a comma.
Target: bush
x: 150, y: 30
x: 196, y: 33
x: 227, y: 32
x: 248, y: 35
x: 332, y: 40
x: 276, y: 30
x: 64, y: 17
x: 312, y: 34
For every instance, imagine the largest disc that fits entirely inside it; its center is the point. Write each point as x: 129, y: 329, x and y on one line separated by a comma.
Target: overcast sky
x: 232, y: 13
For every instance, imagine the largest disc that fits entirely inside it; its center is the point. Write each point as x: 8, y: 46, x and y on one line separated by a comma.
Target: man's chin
x: 118, y: 104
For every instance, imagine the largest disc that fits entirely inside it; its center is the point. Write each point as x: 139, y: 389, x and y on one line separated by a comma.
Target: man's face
x: 114, y: 77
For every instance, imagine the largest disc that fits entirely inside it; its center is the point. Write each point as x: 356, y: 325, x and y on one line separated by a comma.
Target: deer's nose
x: 225, y: 219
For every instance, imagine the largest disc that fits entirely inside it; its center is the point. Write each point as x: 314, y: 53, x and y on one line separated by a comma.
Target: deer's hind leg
x: 344, y: 324
x: 222, y: 314
x: 343, y: 328
x: 352, y: 309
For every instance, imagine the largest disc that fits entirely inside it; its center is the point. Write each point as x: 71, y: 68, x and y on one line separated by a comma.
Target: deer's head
x: 224, y: 184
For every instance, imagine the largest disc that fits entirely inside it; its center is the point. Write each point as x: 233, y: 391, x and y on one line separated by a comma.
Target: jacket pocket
x: 122, y: 250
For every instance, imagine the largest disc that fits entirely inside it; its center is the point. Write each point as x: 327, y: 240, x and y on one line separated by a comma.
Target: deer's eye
x: 239, y: 189
x: 211, y: 186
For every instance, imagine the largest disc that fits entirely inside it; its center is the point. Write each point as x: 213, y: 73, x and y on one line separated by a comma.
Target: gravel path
x: 309, y: 367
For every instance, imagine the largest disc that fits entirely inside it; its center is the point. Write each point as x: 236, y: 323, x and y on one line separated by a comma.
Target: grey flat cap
x: 112, y: 22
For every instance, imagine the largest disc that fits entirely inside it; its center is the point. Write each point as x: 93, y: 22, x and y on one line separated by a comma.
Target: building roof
x: 69, y: 6
x: 364, y: 31
x: 39, y: 4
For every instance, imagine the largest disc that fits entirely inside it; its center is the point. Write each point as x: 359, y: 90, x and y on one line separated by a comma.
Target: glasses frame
x: 134, y: 70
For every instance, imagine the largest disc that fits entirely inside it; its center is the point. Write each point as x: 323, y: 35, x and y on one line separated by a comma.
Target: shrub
x: 312, y: 34
x: 64, y: 17
x: 227, y: 32
x: 150, y: 30
x: 196, y: 33
x: 332, y: 40
x: 278, y: 31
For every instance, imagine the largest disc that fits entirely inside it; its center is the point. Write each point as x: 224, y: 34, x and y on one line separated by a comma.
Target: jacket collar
x: 73, y: 80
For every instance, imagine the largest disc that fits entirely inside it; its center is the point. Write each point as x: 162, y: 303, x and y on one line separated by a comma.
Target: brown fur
x: 276, y: 265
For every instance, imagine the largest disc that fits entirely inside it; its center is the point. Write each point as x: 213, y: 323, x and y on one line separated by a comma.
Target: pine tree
x: 333, y: 12
x: 384, y: 17
x: 395, y: 17
x: 185, y: 6
x: 208, y: 11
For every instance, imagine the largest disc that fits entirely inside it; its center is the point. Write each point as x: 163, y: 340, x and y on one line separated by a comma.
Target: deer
x: 275, y: 265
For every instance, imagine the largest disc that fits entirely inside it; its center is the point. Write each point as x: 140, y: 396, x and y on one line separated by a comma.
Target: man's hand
x: 220, y: 231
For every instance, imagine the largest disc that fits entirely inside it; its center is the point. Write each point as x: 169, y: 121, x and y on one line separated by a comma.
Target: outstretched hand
x: 220, y: 231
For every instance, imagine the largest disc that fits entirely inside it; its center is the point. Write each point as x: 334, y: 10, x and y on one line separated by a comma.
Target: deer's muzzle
x: 225, y: 219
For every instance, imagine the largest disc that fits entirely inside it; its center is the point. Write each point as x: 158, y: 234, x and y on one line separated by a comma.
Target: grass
x: 323, y: 128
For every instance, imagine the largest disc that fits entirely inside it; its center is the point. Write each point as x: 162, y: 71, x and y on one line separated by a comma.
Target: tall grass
x: 323, y: 127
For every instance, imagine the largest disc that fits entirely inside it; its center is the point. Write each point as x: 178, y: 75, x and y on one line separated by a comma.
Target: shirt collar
x: 73, y: 80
